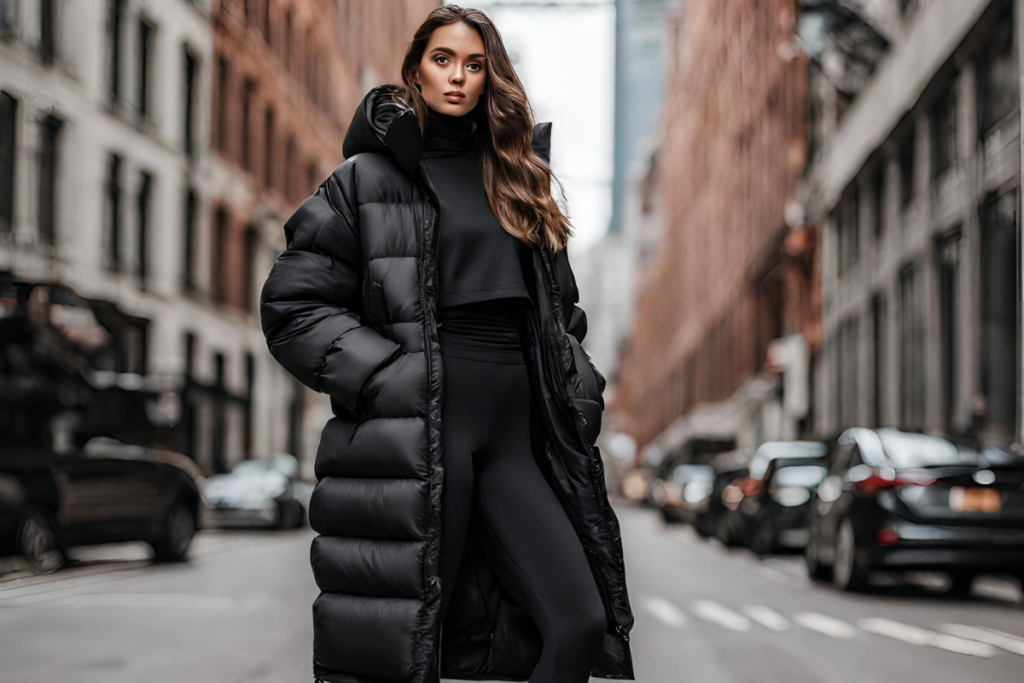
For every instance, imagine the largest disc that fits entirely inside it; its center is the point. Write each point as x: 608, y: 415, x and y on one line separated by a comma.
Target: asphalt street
x: 239, y: 612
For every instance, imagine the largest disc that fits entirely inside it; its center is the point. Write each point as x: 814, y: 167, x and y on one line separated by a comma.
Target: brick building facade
x: 732, y: 263
x: 286, y: 78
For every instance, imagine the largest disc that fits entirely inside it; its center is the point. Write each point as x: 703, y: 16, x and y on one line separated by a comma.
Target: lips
x: 455, y: 96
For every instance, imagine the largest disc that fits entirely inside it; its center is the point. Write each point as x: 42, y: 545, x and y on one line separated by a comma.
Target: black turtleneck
x: 477, y: 259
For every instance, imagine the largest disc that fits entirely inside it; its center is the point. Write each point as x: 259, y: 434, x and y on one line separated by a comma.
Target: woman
x: 465, y: 530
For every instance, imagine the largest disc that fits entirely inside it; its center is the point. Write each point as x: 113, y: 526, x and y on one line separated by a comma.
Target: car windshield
x: 923, y: 450
x: 784, y: 449
x: 806, y: 476
x: 687, y: 473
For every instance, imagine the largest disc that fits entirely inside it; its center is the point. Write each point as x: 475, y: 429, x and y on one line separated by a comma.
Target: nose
x: 457, y: 78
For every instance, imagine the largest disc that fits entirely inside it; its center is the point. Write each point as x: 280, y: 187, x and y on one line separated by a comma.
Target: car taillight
x: 886, y: 477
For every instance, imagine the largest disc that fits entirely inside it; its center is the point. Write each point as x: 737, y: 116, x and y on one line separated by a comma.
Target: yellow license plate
x: 964, y: 499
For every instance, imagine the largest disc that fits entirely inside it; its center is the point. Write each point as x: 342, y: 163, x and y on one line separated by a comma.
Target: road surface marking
x: 824, y: 624
x: 665, y: 612
x: 1005, y: 641
x: 922, y: 636
x: 723, y: 616
x: 767, y: 617
x: 147, y: 600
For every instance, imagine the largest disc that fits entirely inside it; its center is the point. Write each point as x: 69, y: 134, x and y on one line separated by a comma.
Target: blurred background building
x: 150, y: 151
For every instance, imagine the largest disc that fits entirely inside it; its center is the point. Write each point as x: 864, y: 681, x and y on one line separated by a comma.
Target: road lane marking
x: 767, y: 617
x: 828, y: 626
x: 1005, y: 641
x: 147, y: 600
x: 922, y: 636
x: 723, y: 616
x: 665, y: 611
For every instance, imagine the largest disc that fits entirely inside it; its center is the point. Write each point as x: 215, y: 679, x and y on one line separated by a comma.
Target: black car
x: 742, y: 496
x: 902, y: 500
x: 80, y: 462
x: 687, y: 491
x: 781, y: 507
x: 727, y: 467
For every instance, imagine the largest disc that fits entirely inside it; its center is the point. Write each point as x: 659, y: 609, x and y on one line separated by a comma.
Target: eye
x: 478, y: 66
x: 440, y: 57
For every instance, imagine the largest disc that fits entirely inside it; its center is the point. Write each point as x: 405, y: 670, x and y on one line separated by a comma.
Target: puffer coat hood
x: 349, y: 309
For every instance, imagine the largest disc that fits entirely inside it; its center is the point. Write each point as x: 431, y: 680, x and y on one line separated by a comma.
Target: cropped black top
x: 477, y: 259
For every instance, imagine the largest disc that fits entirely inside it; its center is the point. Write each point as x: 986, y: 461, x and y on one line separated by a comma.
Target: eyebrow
x: 451, y: 52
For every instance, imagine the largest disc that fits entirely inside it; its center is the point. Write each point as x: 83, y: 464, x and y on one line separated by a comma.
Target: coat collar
x: 385, y: 122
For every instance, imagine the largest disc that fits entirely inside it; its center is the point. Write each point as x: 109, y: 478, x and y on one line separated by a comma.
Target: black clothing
x: 489, y: 330
x: 350, y: 309
x: 492, y: 482
x: 477, y: 258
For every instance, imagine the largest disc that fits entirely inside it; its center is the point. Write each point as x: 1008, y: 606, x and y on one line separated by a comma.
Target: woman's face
x: 453, y: 62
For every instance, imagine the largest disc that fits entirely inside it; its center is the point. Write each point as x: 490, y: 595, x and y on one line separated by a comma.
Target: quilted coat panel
x: 366, y: 566
x: 365, y: 636
x: 374, y: 508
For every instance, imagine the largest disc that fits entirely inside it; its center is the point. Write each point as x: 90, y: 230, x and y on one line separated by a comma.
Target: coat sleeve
x: 311, y: 304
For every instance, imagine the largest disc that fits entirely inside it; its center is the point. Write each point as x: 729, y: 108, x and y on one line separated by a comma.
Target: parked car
x: 256, y: 493
x: 687, y: 492
x: 727, y: 467
x: 781, y: 508
x: 737, y: 522
x: 78, y: 460
x: 904, y: 500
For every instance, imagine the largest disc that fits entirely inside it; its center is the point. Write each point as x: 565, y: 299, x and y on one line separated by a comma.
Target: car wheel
x: 960, y: 583
x: 289, y: 514
x: 850, y: 571
x: 179, y: 529
x: 37, y: 543
x: 815, y: 569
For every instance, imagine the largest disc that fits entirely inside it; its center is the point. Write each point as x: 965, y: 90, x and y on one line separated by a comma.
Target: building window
x: 145, y: 47
x: 878, y: 360
x: 848, y: 229
x: 289, y: 169
x: 948, y: 252
x: 250, y: 398
x: 191, y: 67
x: 188, y: 269
x: 220, y: 414
x: 49, y: 141
x: 8, y: 18
x: 912, y: 379
x: 252, y: 252
x: 878, y: 201
x: 219, y: 255
x: 849, y: 372
x: 268, y: 149
x: 944, y: 131
x: 47, y: 32
x: 999, y: 278
x: 248, y: 95
x: 8, y: 160
x: 142, y: 239
x: 289, y: 24
x: 220, y: 106
x: 998, y: 83
x: 115, y: 27
x: 906, y: 160
x: 112, y: 233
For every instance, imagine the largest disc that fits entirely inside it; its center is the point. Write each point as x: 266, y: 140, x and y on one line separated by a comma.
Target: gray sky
x: 565, y: 59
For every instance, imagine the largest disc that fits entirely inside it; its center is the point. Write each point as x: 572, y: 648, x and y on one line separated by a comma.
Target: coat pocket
x: 593, y: 381
x: 589, y: 412
x: 376, y: 304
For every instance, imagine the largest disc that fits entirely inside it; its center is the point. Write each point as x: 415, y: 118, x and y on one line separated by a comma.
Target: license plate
x: 964, y: 499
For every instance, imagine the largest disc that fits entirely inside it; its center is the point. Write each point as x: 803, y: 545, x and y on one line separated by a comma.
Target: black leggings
x: 528, y: 539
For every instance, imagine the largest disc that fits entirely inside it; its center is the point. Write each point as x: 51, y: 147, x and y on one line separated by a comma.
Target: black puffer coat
x: 350, y: 309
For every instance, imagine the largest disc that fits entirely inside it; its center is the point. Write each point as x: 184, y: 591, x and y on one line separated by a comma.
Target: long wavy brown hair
x: 517, y: 181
